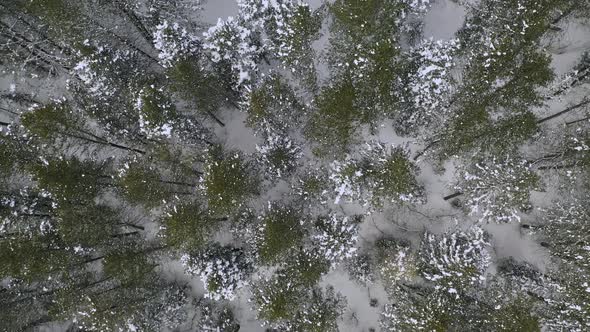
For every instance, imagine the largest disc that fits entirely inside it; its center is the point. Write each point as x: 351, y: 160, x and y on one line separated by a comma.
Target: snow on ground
x: 443, y: 19
x: 214, y: 9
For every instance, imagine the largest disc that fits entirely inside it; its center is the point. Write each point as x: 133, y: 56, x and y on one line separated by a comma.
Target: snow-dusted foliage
x: 98, y: 67
x: 311, y: 184
x: 419, y: 6
x: 287, y: 305
x: 497, y: 190
x: 565, y: 234
x: 390, y: 175
x: 228, y: 180
x: 156, y: 114
x: 217, y: 317
x: 166, y: 311
x: 455, y: 261
x: 280, y: 28
x: 410, y: 312
x: 223, y: 271
x: 320, y: 312
x: 279, y: 153
x: 234, y: 42
x: 429, y: 84
x: 279, y: 233
x: 272, y: 102
x: 276, y: 300
x: 380, y: 175
x: 336, y: 238
x: 345, y: 178
x: 15, y: 207
x: 173, y: 42
x: 360, y: 268
x: 566, y: 223
x: 153, y: 157
x: 395, y: 263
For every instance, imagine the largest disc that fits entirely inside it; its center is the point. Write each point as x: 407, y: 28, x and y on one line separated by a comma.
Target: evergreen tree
x: 228, y: 181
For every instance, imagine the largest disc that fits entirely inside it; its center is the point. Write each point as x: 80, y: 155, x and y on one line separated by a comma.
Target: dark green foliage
x: 283, y: 302
x: 49, y: 121
x: 229, y: 181
x: 393, y: 178
x: 155, y: 107
x: 367, y: 17
x: 333, y: 125
x: 273, y: 103
x: 188, y: 227
x: 129, y: 266
x: 88, y: 226
x: 7, y: 160
x: 501, y: 80
x: 281, y: 233
x: 320, y: 312
x: 72, y: 179
x: 63, y: 17
x: 306, y: 268
x: 294, y: 37
x: 474, y: 130
x: 516, y: 315
x: 311, y: 184
x: 277, y: 300
x: 365, y: 50
x: 31, y: 258
x: 194, y: 84
x: 142, y: 185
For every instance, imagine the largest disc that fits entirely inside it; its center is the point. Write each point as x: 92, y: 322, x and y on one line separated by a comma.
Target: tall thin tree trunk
x: 132, y: 225
x: 576, y: 121
x: 563, y: 15
x: 105, y: 142
x: 216, y: 118
x: 190, y: 185
x: 136, y: 21
x: 556, y: 167
x: 125, y: 234
x: 446, y: 198
x: 586, y: 101
x: 428, y: 147
x: 9, y: 111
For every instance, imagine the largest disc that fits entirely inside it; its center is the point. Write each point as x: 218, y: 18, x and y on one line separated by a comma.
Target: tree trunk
x: 9, y: 111
x: 181, y: 183
x: 428, y: 147
x: 30, y: 45
x: 576, y: 121
x: 90, y: 260
x: 569, y: 109
x: 446, y: 198
x: 125, y: 234
x: 540, y: 168
x: 136, y: 22
x: 105, y: 142
x: 31, y: 325
x: 127, y: 43
x: 132, y: 225
x: 583, y: 73
x: 563, y: 15
x: 219, y: 122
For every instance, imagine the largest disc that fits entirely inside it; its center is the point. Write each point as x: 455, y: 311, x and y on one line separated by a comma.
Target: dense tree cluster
x: 158, y: 173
